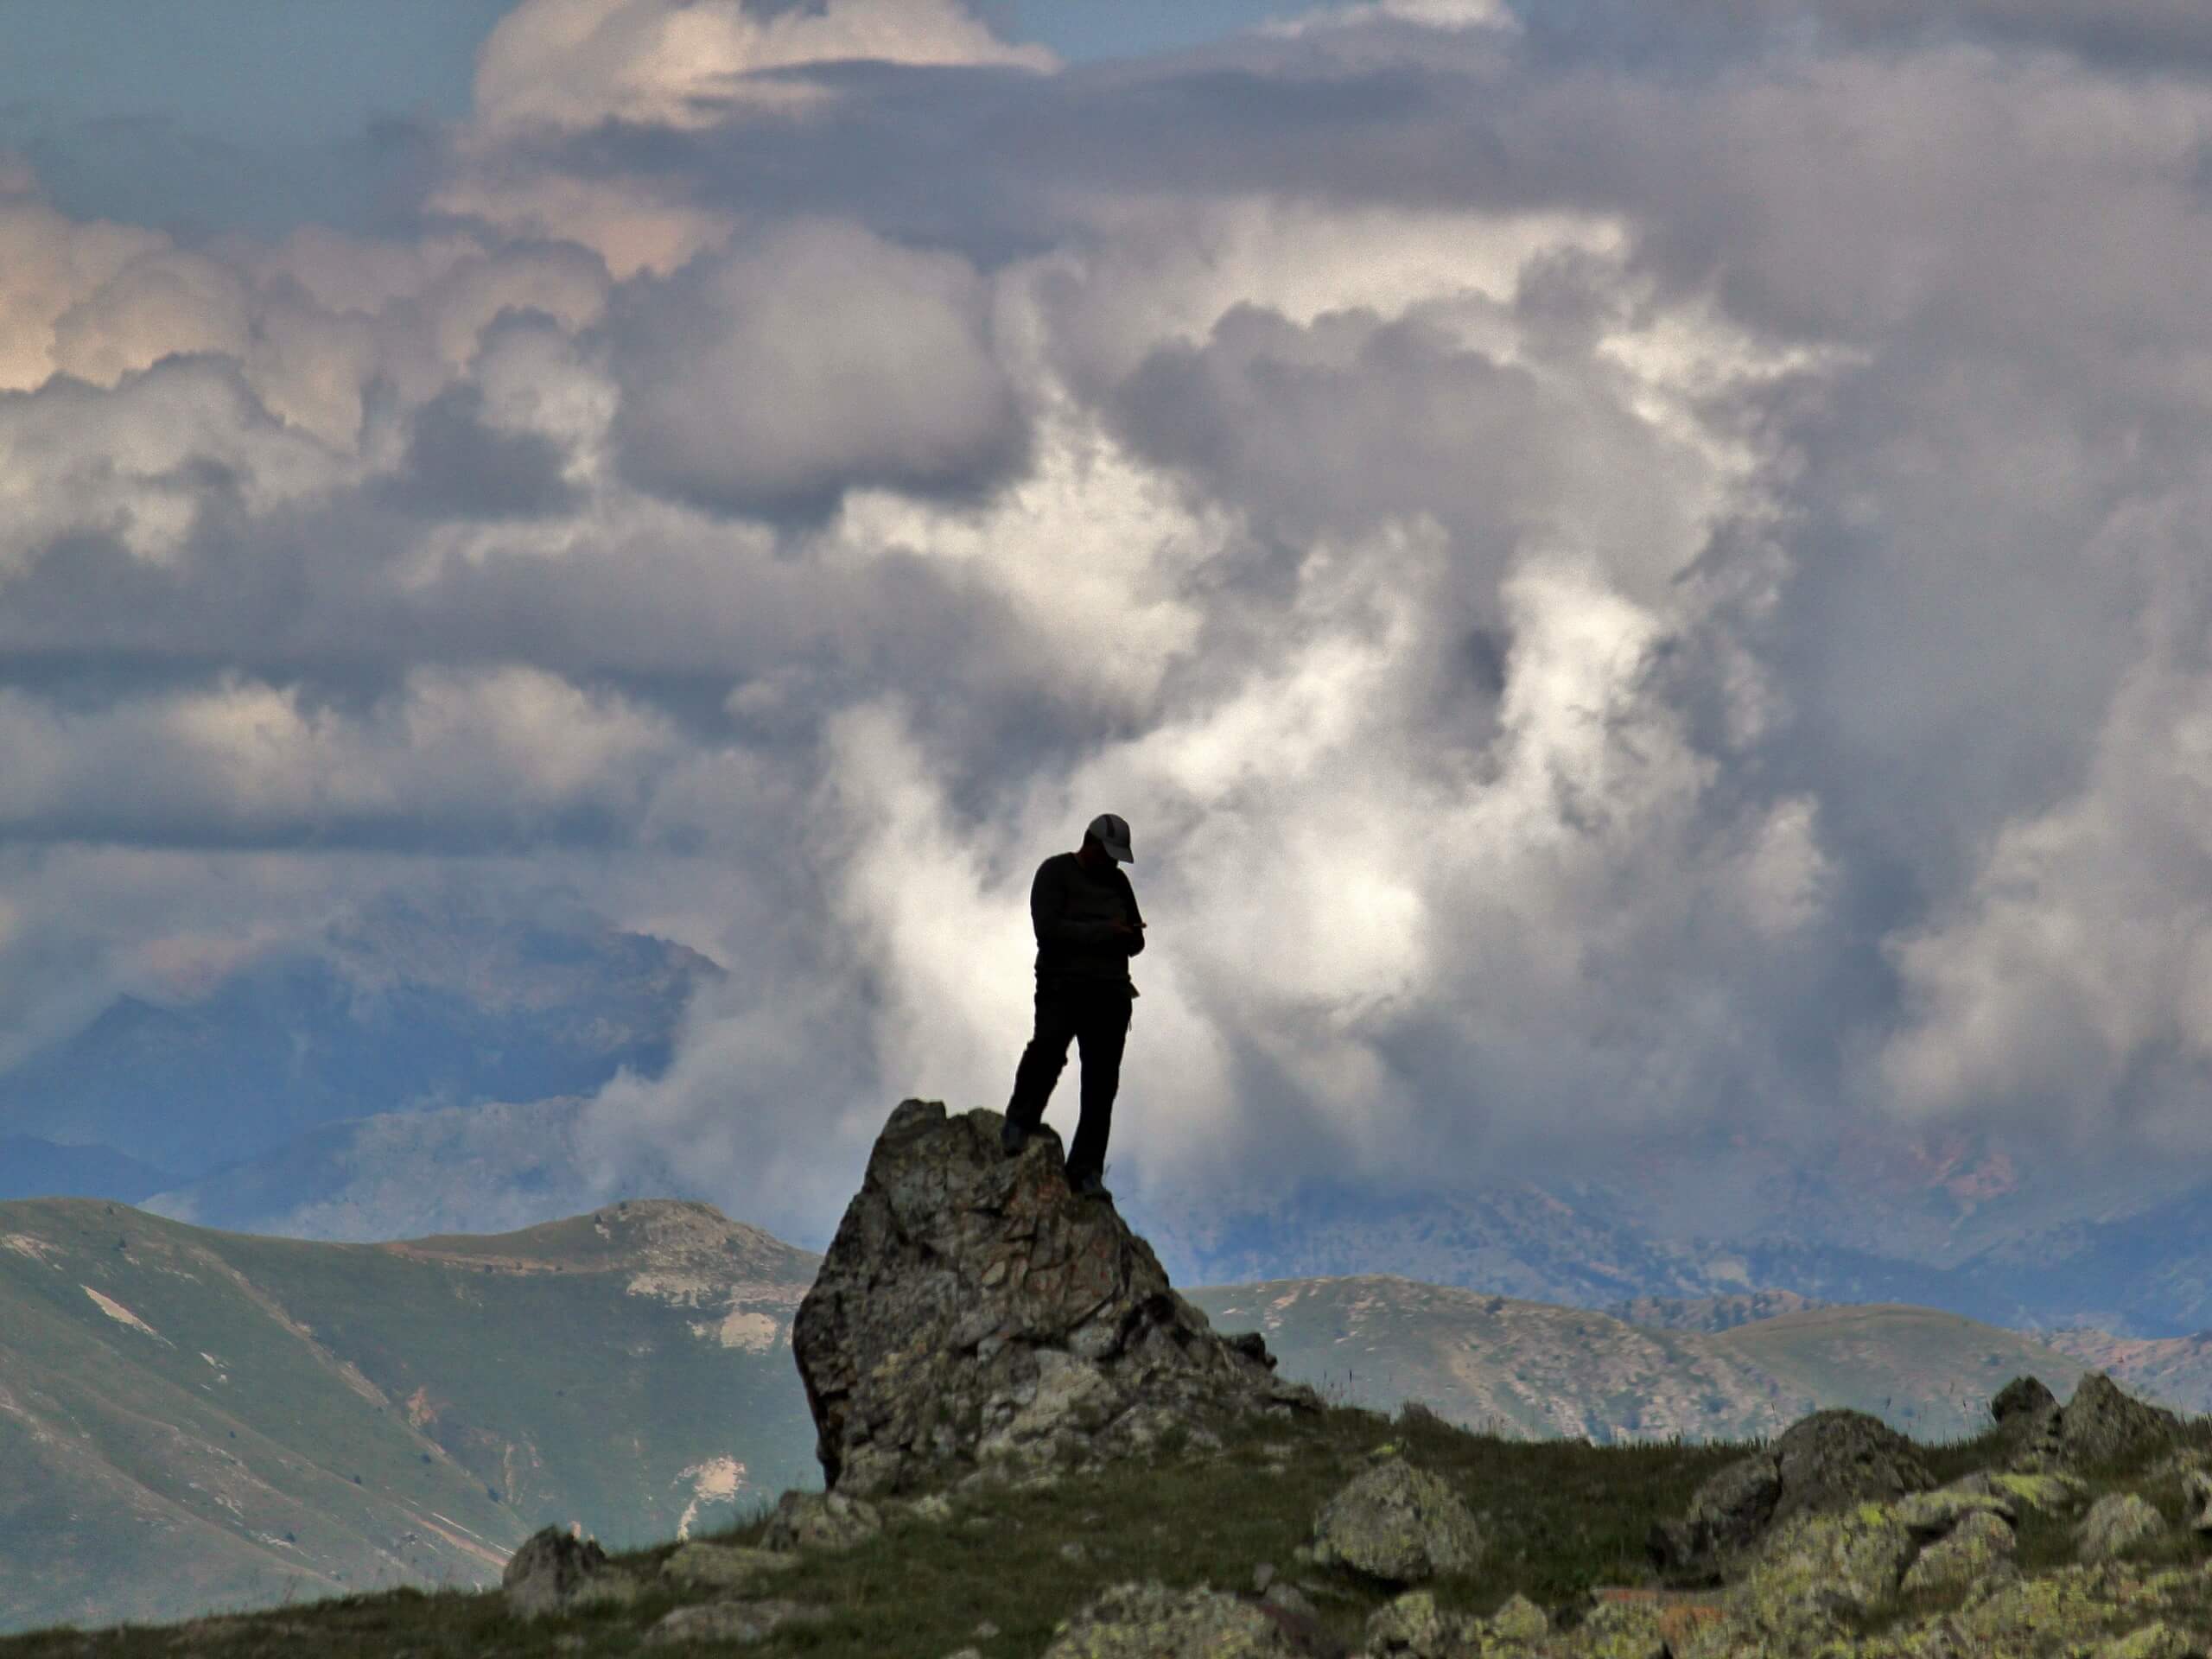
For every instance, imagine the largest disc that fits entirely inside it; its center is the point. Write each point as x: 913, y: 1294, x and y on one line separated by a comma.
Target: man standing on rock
x: 1088, y: 927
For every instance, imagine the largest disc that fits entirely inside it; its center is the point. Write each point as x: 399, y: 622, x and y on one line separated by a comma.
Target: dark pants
x: 1098, y: 1017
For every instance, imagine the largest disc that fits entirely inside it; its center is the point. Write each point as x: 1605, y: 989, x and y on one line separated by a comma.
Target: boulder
x: 973, y: 1314
x: 1413, y: 1625
x: 820, y: 1521
x: 2102, y: 1424
x: 1830, y: 1460
x: 2024, y: 1402
x: 1519, y: 1620
x: 1976, y: 1550
x: 1397, y: 1523
x: 1818, y: 1569
x: 1151, y: 1621
x: 2114, y: 1525
x: 545, y: 1575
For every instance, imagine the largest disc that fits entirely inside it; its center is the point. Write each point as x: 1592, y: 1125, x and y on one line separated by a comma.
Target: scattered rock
x: 973, y: 1313
x: 2100, y: 1423
x: 1828, y: 1461
x: 933, y: 1507
x: 1975, y: 1551
x: 1397, y: 1523
x: 724, y: 1566
x: 1263, y: 1576
x: 1150, y: 1621
x: 965, y: 1653
x: 1074, y: 1552
x: 1519, y: 1620
x: 730, y: 1621
x: 1414, y: 1625
x: 544, y: 1576
x: 820, y: 1521
x: 984, y: 1630
x: 2114, y: 1525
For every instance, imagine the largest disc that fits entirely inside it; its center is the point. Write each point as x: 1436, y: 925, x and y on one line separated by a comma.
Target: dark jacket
x: 1072, y: 910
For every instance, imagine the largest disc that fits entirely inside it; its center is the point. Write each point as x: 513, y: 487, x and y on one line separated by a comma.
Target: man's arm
x: 1047, y: 912
x: 1134, y: 939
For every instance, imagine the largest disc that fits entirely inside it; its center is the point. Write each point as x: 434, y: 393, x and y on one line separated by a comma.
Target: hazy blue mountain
x: 32, y: 1168
x: 395, y: 1009
x: 456, y: 1169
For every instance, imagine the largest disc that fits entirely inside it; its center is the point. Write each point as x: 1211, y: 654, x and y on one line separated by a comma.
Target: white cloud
x: 574, y: 63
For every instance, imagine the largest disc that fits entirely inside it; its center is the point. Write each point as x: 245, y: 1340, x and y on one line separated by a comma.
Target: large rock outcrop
x: 973, y: 1315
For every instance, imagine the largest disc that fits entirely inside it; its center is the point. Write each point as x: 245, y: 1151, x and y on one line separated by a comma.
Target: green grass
x: 1559, y: 1518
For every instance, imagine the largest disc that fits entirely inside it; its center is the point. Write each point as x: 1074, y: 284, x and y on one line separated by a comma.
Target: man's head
x: 1110, y: 835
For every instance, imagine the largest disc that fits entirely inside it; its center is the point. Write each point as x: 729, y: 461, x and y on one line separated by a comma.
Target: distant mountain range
x: 191, y: 1419
x: 392, y: 1007
x: 1532, y: 1370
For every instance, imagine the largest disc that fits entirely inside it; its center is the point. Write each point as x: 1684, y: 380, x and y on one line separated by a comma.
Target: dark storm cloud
x: 457, y: 467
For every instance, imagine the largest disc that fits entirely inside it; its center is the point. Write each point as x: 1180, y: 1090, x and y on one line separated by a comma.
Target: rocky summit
x: 975, y: 1317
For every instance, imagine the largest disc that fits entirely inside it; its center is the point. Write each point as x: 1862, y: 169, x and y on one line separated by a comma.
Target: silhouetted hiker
x: 1088, y: 927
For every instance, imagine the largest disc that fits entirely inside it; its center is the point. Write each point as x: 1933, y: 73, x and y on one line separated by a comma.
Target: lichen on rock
x: 2115, y: 1524
x: 1149, y: 1620
x: 1977, y: 1550
x: 1397, y: 1523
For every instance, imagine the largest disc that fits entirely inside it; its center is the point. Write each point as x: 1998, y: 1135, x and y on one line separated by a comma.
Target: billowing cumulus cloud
x: 1629, y: 588
x: 782, y: 375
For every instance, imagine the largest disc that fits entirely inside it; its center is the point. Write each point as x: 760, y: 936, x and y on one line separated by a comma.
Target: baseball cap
x: 1112, y: 833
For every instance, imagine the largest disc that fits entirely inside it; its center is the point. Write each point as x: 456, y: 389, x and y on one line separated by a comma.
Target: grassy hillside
x: 1564, y: 1524
x: 1532, y: 1370
x: 193, y: 1419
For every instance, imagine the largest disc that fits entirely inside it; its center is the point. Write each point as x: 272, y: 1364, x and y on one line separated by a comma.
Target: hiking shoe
x: 1012, y: 1138
x: 1088, y: 1184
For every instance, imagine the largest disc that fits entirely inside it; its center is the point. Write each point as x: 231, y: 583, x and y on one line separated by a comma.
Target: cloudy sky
x: 1638, y: 568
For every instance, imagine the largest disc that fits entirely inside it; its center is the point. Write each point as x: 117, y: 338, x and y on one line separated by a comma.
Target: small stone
x: 984, y: 1630
x: 1074, y: 1552
x: 1519, y: 1620
x: 1290, y: 1598
x: 965, y: 1653
x: 730, y: 1621
x: 933, y: 1507
x: 820, y: 1521
x: 1263, y: 1576
x: 544, y: 1574
x: 2115, y: 1524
